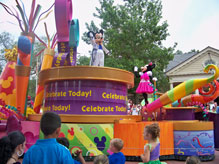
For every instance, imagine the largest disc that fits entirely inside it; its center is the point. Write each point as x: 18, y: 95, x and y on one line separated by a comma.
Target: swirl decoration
x: 204, y: 98
x: 211, y: 89
x: 184, y: 89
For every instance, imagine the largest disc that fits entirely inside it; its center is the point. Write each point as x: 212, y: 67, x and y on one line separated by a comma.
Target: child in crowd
x: 101, y: 159
x: 152, y: 149
x: 193, y: 160
x: 134, y: 110
x: 12, y: 147
x: 117, y: 157
x: 48, y: 150
x: 214, y: 108
x: 64, y: 141
x: 208, y: 107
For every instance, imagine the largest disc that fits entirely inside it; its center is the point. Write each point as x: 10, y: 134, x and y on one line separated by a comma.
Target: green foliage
x: 6, y: 42
x: 35, y: 67
x: 91, y: 27
x: 194, y: 50
x: 133, y: 33
x: 32, y: 88
x: 83, y: 60
x: 179, y: 52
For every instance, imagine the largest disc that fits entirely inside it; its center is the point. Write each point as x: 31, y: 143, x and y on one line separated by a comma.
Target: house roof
x: 181, y: 58
x: 178, y: 59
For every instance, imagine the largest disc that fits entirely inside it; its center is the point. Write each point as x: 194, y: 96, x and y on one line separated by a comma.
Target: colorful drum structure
x: 194, y: 138
x: 84, y: 90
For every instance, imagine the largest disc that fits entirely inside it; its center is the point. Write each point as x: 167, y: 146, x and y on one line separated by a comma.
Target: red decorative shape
x: 30, y: 139
x: 71, y: 132
x: 61, y: 135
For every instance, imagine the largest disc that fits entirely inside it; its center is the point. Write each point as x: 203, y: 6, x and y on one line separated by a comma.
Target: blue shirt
x: 47, y: 151
x: 117, y: 158
x: 217, y: 109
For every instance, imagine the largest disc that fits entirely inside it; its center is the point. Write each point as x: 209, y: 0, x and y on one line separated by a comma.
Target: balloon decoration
x: 25, y: 46
x: 67, y: 40
x: 23, y: 70
x: 7, y: 87
x: 67, y: 34
x: 47, y: 63
x: 7, y: 78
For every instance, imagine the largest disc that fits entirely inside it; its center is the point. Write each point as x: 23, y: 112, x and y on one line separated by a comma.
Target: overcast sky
x: 193, y: 24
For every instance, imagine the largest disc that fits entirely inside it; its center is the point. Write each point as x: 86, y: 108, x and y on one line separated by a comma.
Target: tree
x: 6, y: 42
x: 179, y: 52
x: 83, y: 60
x: 134, y: 34
x: 194, y: 50
x: 35, y: 67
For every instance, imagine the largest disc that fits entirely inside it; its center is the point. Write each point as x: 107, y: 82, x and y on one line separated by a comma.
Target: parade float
x: 92, y: 100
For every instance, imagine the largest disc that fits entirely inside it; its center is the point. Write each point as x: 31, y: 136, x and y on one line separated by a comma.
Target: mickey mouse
x: 145, y: 86
x: 100, y: 143
x: 97, y: 55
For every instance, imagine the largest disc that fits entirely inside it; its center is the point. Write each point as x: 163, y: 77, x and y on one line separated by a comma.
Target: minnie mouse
x: 145, y: 86
x: 97, y: 55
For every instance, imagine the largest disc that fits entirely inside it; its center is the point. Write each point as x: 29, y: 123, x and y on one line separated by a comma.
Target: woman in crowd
x: 12, y: 147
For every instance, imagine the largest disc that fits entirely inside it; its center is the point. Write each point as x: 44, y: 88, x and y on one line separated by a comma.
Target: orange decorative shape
x: 7, y: 84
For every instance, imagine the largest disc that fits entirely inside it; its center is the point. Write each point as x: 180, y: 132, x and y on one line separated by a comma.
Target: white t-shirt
x: 134, y: 111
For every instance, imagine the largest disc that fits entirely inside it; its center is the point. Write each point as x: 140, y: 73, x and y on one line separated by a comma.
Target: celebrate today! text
x: 113, y: 101
x: 85, y: 94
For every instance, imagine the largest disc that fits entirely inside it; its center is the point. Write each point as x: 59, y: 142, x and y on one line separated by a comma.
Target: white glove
x: 135, y: 69
x: 91, y: 35
x: 154, y: 79
x: 140, y: 73
x: 149, y: 73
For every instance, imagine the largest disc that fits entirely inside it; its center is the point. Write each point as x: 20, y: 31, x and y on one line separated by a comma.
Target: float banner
x: 59, y: 59
x: 63, y: 47
x: 86, y: 97
x: 73, y: 56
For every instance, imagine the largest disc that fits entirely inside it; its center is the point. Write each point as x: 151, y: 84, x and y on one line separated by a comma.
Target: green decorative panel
x: 92, y: 139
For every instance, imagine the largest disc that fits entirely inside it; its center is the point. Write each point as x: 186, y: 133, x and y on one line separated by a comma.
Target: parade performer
x: 97, y: 55
x: 145, y: 86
